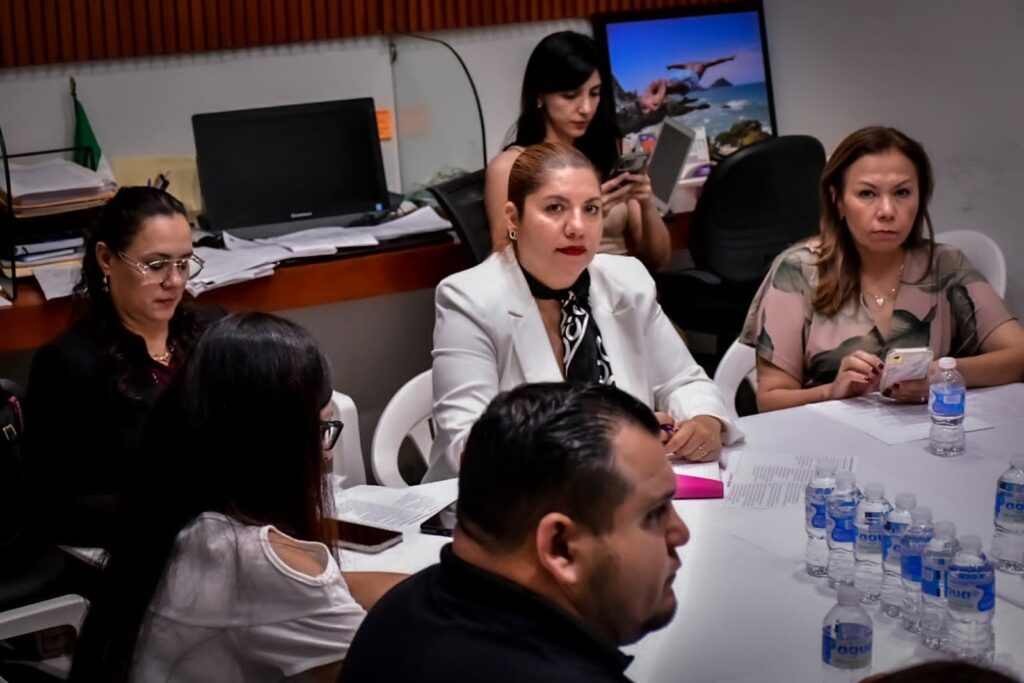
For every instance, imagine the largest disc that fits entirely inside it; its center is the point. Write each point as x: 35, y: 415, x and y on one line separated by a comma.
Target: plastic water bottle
x: 892, y: 582
x: 947, y: 395
x: 846, y: 638
x: 915, y: 538
x: 972, y: 602
x: 817, y: 492
x: 841, y: 508
x: 1008, y: 543
x: 867, y: 547
x: 934, y: 571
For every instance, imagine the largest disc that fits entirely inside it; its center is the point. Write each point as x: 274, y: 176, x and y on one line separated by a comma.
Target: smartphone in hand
x: 630, y: 163
x: 905, y: 364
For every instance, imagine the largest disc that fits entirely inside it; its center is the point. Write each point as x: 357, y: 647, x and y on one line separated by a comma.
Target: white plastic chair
x: 65, y: 610
x: 406, y: 414
x: 349, y: 467
x: 983, y: 252
x: 738, y: 363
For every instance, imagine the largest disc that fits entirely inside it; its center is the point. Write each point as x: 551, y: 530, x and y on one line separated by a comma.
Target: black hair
x: 562, y: 62
x: 947, y: 672
x: 118, y: 223
x: 237, y: 433
x: 541, y: 448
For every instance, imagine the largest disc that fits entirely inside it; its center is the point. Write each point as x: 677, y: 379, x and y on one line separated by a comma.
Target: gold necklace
x: 165, y: 357
x: 879, y: 299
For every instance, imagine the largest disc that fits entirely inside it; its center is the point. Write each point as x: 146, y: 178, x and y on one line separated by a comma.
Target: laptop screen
x: 290, y: 163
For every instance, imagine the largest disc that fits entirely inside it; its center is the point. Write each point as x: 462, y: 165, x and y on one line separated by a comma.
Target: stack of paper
x: 320, y: 241
x: 57, y: 280
x: 393, y: 508
x: 53, y: 186
x: 228, y: 266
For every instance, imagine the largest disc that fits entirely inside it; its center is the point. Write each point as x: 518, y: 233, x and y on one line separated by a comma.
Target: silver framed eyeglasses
x: 162, y: 270
x: 330, y: 430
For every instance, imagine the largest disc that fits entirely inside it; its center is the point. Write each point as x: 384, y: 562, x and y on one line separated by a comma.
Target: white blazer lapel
x: 622, y: 337
x: 529, y: 338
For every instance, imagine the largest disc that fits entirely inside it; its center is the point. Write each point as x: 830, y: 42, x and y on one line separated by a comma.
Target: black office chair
x: 755, y: 203
x: 35, y: 580
x: 462, y: 200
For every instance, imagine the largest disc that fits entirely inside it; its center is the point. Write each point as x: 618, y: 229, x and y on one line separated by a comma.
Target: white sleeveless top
x: 230, y: 609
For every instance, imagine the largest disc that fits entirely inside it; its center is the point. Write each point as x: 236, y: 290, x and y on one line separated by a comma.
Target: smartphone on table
x: 630, y: 163
x: 902, y: 365
x: 441, y: 524
x: 364, y: 538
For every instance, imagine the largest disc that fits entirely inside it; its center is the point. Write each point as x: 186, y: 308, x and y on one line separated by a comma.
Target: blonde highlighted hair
x: 531, y: 169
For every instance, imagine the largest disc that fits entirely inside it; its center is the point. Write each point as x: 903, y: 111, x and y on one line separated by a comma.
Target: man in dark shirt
x: 564, y: 549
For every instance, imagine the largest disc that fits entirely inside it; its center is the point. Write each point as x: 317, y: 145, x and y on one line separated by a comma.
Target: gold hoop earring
x: 512, y: 235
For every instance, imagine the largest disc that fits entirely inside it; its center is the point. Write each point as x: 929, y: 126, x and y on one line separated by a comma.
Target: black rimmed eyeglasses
x: 162, y: 270
x: 330, y: 430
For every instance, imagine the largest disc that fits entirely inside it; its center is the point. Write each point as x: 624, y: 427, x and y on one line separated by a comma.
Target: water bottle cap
x: 947, y: 363
x: 829, y: 468
x: 874, y: 489
x: 845, y: 479
x: 847, y: 594
x: 945, y: 528
x: 907, y: 501
x: 970, y: 543
x: 920, y: 515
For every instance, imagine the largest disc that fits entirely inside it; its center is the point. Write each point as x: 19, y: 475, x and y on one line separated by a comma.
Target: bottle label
x: 910, y: 567
x: 869, y: 541
x: 841, y: 528
x: 891, y: 542
x: 971, y: 589
x: 934, y: 577
x: 849, y: 648
x: 947, y: 403
x: 1010, y: 503
x: 815, y: 509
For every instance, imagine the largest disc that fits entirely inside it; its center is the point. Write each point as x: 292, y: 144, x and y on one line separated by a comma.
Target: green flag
x: 85, y: 138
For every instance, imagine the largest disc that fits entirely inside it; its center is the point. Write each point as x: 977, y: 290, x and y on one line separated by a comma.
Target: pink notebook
x: 699, y: 480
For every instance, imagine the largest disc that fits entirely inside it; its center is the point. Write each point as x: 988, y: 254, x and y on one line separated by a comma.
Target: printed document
x: 892, y: 423
x: 393, y: 508
x: 768, y: 480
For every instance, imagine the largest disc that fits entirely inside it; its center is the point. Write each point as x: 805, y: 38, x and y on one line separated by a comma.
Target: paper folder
x: 698, y: 487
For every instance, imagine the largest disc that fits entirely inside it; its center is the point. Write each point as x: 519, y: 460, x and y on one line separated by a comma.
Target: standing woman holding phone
x: 565, y: 98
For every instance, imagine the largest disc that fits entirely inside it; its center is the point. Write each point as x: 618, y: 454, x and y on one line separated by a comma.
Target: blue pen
x: 668, y: 429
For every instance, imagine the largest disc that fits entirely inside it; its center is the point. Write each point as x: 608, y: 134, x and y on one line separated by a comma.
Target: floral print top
x: 951, y: 310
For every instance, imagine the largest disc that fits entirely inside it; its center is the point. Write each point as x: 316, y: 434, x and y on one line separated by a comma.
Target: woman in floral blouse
x: 873, y: 280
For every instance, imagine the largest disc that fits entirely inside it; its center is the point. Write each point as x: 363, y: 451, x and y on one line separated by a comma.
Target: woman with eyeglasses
x: 224, y: 569
x: 90, y: 390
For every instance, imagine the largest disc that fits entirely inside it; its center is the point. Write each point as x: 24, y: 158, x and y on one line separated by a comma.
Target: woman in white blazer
x: 547, y: 308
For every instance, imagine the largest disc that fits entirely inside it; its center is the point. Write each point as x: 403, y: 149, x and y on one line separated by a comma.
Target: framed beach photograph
x: 706, y: 67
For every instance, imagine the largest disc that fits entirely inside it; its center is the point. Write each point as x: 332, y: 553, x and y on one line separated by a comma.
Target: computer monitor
x: 705, y: 66
x: 273, y: 170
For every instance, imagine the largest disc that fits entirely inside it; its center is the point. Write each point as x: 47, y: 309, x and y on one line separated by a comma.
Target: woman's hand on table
x: 698, y: 439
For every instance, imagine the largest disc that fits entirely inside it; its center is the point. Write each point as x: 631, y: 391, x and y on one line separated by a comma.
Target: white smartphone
x: 905, y: 364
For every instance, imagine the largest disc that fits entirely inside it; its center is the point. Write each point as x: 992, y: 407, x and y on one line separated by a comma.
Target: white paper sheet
x: 891, y: 423
x: 769, y: 480
x: 5, y: 302
x: 320, y: 241
x: 394, y: 508
x: 226, y: 266
x: 53, y: 245
x: 422, y: 220
x: 57, y: 281
x: 704, y: 470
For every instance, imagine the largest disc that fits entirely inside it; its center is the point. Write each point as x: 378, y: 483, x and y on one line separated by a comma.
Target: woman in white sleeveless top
x: 225, y: 570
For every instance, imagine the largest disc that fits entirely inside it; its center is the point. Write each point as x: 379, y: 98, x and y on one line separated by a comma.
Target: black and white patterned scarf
x: 586, y: 361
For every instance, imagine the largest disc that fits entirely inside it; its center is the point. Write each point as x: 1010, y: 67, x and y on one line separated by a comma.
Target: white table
x: 747, y: 610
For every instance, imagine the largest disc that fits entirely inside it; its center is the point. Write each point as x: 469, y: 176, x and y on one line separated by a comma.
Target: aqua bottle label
x: 971, y: 589
x: 934, y: 576
x: 848, y: 648
x: 947, y: 403
x: 1010, y: 503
